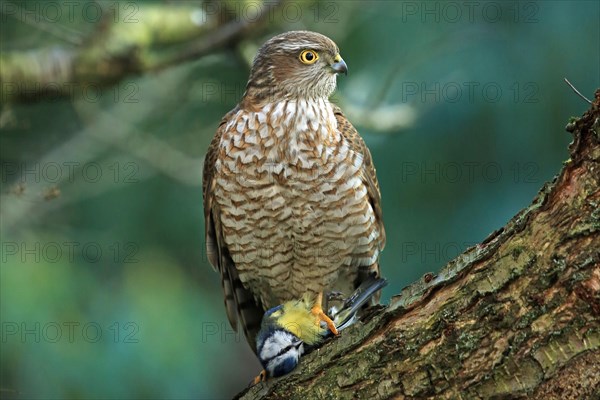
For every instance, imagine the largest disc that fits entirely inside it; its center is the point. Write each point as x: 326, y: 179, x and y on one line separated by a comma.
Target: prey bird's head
x: 295, y: 65
x: 278, y: 349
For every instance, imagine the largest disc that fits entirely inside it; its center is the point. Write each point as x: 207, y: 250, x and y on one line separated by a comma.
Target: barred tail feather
x: 249, y: 311
x: 239, y: 302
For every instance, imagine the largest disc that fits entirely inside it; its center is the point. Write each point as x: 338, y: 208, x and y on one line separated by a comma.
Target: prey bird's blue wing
x: 346, y: 316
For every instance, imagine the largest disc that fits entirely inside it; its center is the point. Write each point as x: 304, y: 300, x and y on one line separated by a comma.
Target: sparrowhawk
x: 291, y: 200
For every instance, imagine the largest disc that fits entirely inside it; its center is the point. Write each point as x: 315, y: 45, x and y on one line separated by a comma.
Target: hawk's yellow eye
x: 309, y: 57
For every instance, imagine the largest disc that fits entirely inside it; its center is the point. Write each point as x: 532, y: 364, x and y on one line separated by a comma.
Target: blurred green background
x: 106, y: 291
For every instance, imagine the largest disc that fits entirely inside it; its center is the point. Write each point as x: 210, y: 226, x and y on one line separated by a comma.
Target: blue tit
x: 288, y: 329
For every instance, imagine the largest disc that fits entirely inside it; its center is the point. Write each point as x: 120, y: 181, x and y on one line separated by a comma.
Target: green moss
x: 466, y: 343
x: 527, y: 319
x: 578, y: 277
x: 516, y: 252
x: 518, y: 339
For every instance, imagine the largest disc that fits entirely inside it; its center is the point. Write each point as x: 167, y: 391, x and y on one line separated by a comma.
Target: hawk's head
x: 296, y: 64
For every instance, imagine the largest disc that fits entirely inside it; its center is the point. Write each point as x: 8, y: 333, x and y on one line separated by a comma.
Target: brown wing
x: 239, y: 301
x: 370, y: 178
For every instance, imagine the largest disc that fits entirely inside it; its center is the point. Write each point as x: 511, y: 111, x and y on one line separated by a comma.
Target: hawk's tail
x: 240, y: 304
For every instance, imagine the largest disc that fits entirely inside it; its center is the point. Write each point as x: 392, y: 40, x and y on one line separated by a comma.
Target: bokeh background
x: 106, y: 291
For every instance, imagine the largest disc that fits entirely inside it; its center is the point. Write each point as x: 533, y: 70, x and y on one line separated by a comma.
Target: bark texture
x: 516, y: 316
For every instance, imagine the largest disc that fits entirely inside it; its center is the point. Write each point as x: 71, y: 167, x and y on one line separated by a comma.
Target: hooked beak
x: 339, y: 66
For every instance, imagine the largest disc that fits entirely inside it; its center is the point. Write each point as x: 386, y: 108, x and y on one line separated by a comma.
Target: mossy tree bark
x: 516, y: 316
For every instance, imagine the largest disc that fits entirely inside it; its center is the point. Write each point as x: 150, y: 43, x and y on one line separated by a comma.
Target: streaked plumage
x: 291, y: 199
x: 287, y: 328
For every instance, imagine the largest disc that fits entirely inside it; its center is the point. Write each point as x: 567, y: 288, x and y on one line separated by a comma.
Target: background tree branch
x: 143, y: 38
x: 516, y: 316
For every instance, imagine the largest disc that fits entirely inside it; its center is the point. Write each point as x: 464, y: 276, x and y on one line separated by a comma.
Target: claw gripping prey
x: 317, y: 310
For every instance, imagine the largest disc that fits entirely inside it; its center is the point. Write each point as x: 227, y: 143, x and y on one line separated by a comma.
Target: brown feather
x: 239, y: 302
x: 370, y: 179
x: 369, y: 173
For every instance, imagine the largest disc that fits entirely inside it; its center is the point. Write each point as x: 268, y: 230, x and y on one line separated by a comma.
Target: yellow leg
x: 317, y: 310
x: 262, y: 377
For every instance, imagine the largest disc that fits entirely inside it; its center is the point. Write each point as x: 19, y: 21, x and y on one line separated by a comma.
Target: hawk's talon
x: 262, y: 377
x: 317, y: 310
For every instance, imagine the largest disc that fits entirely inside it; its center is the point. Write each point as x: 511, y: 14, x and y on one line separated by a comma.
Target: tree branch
x: 150, y: 39
x: 516, y: 316
x: 26, y: 201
